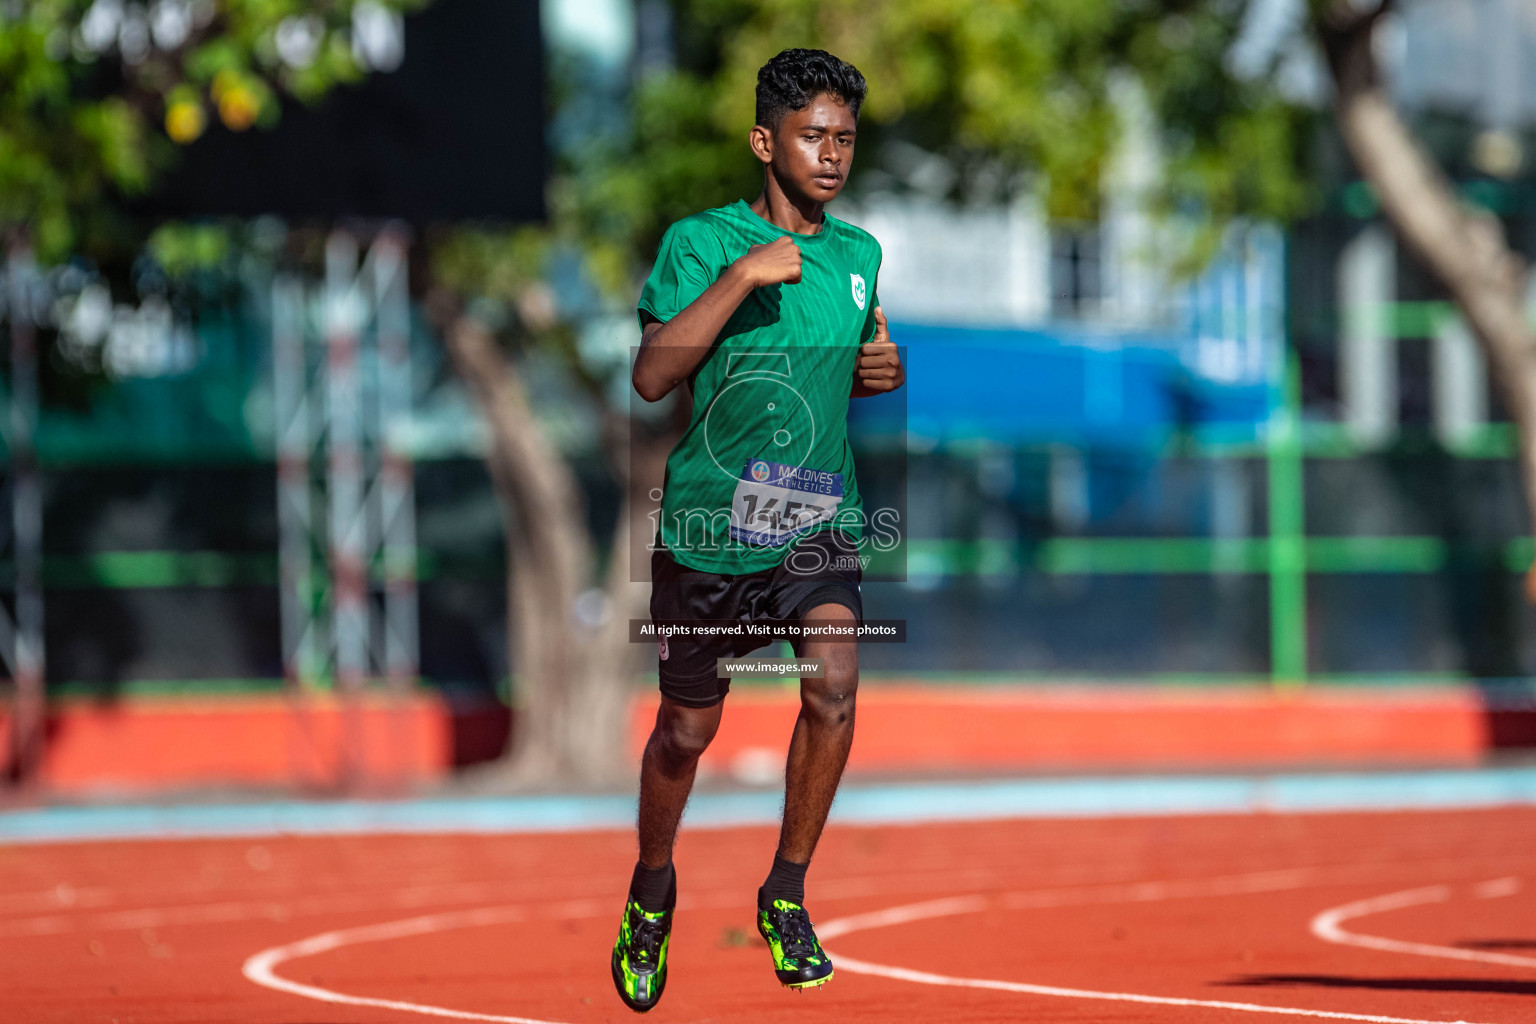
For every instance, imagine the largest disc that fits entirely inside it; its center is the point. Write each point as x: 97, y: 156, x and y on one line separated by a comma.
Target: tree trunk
x: 1463, y: 248
x: 573, y: 665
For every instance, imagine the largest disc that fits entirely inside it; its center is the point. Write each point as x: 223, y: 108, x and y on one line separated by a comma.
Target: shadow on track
x: 1517, y: 988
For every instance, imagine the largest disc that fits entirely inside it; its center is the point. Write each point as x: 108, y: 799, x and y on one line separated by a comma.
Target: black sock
x: 786, y: 881
x: 655, y: 889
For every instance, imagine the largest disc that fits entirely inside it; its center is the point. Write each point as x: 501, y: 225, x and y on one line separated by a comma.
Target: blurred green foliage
x: 1009, y: 97
x: 95, y: 95
x: 1013, y: 95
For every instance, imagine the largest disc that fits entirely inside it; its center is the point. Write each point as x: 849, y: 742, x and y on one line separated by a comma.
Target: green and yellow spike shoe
x: 640, y: 956
x: 798, y: 959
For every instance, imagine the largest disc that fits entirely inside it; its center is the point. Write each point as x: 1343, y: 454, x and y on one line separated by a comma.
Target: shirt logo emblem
x: 858, y: 290
x: 759, y: 471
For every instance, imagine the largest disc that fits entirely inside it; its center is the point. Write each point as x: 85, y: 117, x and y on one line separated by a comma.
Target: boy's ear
x: 761, y: 141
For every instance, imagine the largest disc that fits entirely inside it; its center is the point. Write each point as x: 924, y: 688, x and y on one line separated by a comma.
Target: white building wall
x: 958, y: 266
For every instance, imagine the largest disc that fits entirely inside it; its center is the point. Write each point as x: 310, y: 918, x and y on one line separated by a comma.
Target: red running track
x: 1425, y: 917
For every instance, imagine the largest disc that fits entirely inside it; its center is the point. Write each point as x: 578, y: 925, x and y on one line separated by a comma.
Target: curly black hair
x: 795, y: 77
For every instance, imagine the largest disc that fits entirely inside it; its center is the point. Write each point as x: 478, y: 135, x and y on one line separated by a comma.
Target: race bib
x: 775, y: 502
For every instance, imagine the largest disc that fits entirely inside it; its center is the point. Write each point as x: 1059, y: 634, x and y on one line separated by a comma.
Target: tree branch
x: 1346, y: 17
x: 1463, y: 248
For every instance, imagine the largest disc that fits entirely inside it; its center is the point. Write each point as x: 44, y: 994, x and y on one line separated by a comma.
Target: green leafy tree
x: 97, y: 95
x: 1014, y: 96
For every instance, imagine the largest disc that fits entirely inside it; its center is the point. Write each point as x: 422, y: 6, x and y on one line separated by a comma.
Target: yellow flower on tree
x: 185, y: 121
x: 238, y: 107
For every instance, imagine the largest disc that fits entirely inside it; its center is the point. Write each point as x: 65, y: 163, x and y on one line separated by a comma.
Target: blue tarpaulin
x: 1061, y: 383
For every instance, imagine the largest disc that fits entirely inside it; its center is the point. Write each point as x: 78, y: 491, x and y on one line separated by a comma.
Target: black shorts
x: 779, y: 594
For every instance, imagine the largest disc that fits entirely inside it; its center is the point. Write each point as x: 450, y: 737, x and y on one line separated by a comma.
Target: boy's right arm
x: 669, y: 352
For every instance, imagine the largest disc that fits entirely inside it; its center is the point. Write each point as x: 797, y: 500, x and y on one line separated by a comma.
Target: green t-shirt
x: 765, y: 459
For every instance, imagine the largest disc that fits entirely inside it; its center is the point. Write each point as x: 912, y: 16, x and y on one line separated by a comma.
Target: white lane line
x: 1075, y: 896
x: 905, y: 914
x: 845, y: 963
x: 281, y: 909
x: 62, y: 895
x: 1152, y: 892
x: 261, y: 967
x: 1138, y: 892
x: 1328, y: 925
x: 1496, y: 888
x: 262, y: 910
x: 414, y: 897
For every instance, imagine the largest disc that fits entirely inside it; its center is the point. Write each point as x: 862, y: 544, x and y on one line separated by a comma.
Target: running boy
x: 768, y: 311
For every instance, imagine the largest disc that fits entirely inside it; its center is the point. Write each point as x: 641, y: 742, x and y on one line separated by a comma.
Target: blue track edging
x: 906, y: 803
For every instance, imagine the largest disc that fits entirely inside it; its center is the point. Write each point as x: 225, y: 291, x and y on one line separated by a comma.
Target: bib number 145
x: 774, y: 502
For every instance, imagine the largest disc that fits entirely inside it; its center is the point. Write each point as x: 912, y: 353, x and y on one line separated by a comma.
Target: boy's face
x: 812, y: 149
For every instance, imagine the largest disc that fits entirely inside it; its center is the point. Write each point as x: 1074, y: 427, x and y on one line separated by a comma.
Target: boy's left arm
x: 879, y: 369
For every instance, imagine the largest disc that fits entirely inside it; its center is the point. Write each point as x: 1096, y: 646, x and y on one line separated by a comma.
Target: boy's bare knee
x: 831, y: 700
x: 683, y: 734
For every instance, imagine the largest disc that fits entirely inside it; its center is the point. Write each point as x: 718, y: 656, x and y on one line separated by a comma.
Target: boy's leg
x: 691, y: 698
x: 818, y: 751
x: 639, y: 961
x: 823, y: 735
x: 680, y: 736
